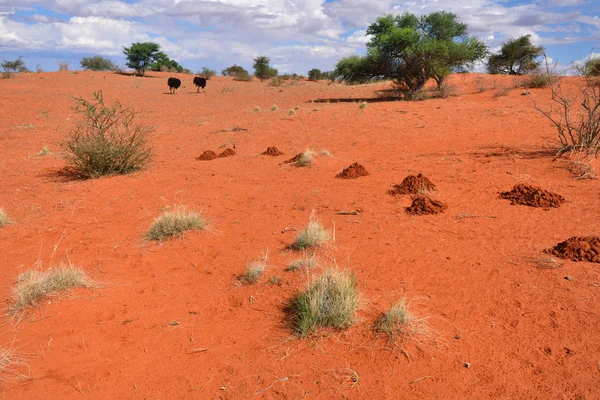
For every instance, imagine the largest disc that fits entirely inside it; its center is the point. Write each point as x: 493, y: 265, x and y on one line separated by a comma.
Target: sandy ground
x: 171, y: 320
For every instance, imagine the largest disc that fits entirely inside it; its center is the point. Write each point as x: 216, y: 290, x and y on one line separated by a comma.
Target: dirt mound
x: 227, y: 153
x: 272, y: 151
x: 424, y: 205
x: 352, y: 172
x: 207, y: 156
x: 578, y: 249
x: 293, y: 159
x: 532, y: 196
x: 412, y: 185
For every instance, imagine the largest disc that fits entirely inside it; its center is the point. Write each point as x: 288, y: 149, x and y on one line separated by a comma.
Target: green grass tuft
x: 313, y: 236
x: 399, y: 321
x: 330, y: 300
x: 254, y: 271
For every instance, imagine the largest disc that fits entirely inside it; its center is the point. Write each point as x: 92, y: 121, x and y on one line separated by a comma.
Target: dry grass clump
x: 33, y: 287
x: 175, y: 223
x: 306, y: 159
x: 399, y: 321
x: 330, y: 300
x: 9, y: 361
x: 306, y: 262
x: 274, y: 108
x: 291, y: 113
x: 254, y: 271
x: 313, y: 236
x: 45, y: 151
x: 4, y: 220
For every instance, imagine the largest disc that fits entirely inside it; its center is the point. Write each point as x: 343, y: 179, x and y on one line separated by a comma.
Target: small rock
x: 467, y: 365
x: 569, y: 278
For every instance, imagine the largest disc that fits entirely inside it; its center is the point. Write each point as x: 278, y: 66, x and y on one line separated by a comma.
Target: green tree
x: 314, y: 74
x: 163, y: 63
x: 262, y: 69
x: 14, y: 66
x: 98, y: 63
x: 234, y: 70
x: 592, y: 67
x: 412, y: 49
x: 516, y: 57
x: 141, y: 55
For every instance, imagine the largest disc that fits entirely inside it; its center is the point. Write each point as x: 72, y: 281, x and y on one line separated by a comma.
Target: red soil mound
x: 207, y: 156
x: 423, y: 205
x: 352, y: 172
x: 532, y: 196
x: 227, y: 153
x: 293, y: 159
x: 578, y: 249
x: 272, y: 151
x: 412, y: 185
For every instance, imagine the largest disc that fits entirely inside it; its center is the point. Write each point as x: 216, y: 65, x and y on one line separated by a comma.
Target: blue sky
x: 296, y: 34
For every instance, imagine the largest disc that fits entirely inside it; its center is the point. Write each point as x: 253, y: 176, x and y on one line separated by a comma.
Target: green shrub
x: 313, y: 236
x: 107, y: 141
x: 330, y: 300
x: 98, y: 63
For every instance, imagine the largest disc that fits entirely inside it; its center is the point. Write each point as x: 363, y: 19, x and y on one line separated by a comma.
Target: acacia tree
x: 516, y: 57
x: 98, y: 63
x: 412, y: 49
x: 262, y: 69
x: 141, y: 55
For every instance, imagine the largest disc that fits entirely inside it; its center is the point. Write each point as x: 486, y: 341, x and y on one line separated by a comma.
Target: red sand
x: 527, y: 333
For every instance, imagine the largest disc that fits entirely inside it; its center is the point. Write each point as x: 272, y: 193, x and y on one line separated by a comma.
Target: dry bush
x: 63, y: 66
x: 481, y: 84
x: 306, y: 159
x: 399, y: 321
x: 446, y: 90
x: 291, y: 113
x: 254, y: 271
x: 175, y: 223
x: 576, y: 116
x: 313, y: 236
x: 277, y: 82
x: 330, y: 300
x: 33, y: 287
x: 4, y: 220
x: 274, y: 108
x: 107, y: 141
x: 503, y: 91
x: 45, y: 151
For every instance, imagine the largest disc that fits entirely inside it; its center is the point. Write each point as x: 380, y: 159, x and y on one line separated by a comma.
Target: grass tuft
x: 313, y: 236
x: 363, y: 105
x: 33, y: 287
x: 330, y: 300
x: 45, y: 151
x: 306, y: 159
x: 305, y: 263
x: 254, y: 271
x: 4, y: 220
x: 256, y: 109
x: 292, y: 112
x: 9, y: 361
x: 274, y: 108
x: 175, y: 223
x: 399, y: 321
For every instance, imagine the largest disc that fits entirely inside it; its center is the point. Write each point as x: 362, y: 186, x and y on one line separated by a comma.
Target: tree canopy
x: 14, y: 66
x: 412, y: 49
x: 141, y: 55
x: 262, y: 69
x: 161, y: 62
x: 516, y: 57
x: 98, y: 63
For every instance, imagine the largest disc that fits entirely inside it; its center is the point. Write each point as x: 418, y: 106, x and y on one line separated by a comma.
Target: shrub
x: 63, y: 66
x: 98, y: 63
x: 306, y: 159
x: 363, y: 105
x: 242, y: 77
x: 314, y: 74
x: 313, y: 236
x: 399, y: 321
x: 576, y: 116
x: 256, y: 108
x: 5, y: 75
x: 306, y: 262
x: 538, y: 80
x: 16, y: 66
x: 4, y: 220
x: 277, y: 81
x: 207, y: 73
x: 262, y: 69
x: 291, y: 113
x: 592, y: 67
x: 254, y: 271
x: 45, y: 151
x: 33, y: 287
x: 330, y: 300
x: 274, y: 108
x: 108, y: 141
x: 175, y: 223
x: 39, y: 69
x: 446, y: 90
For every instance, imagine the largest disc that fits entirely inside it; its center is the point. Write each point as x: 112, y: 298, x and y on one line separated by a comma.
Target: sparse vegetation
x: 277, y: 81
x: 274, y: 108
x: 107, y: 141
x: 399, y: 321
x: 207, y: 73
x: 576, y: 116
x: 45, y: 151
x: 363, y: 105
x: 33, y: 287
x: 98, y: 63
x: 330, y: 300
x: 313, y: 236
x: 17, y: 66
x: 304, y: 263
x: 306, y: 159
x: 4, y: 220
x: 254, y: 271
x: 291, y: 113
x: 592, y: 67
x: 175, y: 223
x: 63, y: 66
x: 9, y: 362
